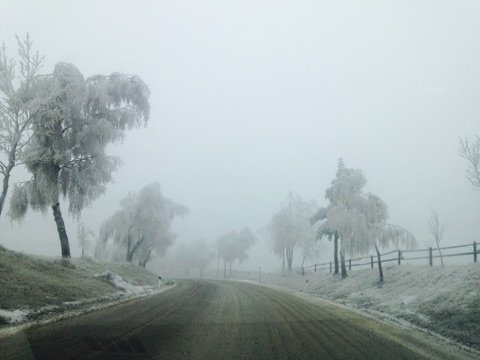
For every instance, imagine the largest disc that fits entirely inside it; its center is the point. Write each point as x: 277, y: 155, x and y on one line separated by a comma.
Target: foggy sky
x: 253, y: 99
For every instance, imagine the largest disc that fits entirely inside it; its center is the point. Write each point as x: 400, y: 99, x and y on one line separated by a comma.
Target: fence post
x: 330, y: 267
x: 399, y: 257
x: 371, y: 261
x: 315, y: 267
x: 474, y: 251
x: 430, y: 256
x: 349, y: 264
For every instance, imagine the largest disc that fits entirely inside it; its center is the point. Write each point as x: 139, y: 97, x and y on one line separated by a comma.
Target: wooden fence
x: 399, y: 256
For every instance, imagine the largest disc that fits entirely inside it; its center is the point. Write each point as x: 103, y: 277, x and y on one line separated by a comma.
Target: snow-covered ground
x: 446, y: 301
x: 13, y: 317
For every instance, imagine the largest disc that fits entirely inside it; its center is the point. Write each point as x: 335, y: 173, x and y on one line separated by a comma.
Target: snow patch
x: 13, y: 317
x: 405, y: 300
x: 120, y: 283
x: 72, y: 303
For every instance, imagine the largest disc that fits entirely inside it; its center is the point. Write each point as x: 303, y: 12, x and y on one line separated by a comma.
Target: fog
x: 253, y: 99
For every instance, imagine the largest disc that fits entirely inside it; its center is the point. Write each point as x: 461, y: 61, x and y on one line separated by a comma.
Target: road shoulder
x: 404, y: 327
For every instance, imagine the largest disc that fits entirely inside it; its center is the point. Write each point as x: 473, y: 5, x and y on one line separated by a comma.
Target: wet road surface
x: 207, y: 319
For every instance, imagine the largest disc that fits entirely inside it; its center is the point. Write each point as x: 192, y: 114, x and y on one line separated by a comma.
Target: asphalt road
x: 201, y: 319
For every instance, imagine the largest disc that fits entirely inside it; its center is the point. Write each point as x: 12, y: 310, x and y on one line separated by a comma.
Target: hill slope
x: 31, y: 283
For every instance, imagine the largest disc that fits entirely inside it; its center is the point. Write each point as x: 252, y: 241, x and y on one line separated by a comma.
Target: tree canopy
x: 358, y: 219
x: 74, y: 120
x: 290, y: 227
x: 141, y: 228
x: 197, y: 255
x: 17, y: 107
x: 233, y: 246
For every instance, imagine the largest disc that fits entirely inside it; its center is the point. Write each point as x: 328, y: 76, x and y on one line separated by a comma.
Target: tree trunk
x: 343, y: 267
x: 440, y: 252
x: 146, y: 259
x: 131, y: 252
x: 62, y: 232
x: 6, y: 180
x: 3, y: 196
x: 6, y: 176
x: 129, y: 246
x: 380, y: 270
x: 303, y: 260
x: 289, y: 257
x: 335, y: 252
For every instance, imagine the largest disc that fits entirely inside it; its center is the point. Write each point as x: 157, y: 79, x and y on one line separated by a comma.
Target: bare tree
x: 470, y: 151
x: 437, y: 229
x: 17, y: 107
x: 75, y: 121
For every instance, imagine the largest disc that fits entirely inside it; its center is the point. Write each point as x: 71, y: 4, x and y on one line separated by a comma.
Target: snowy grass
x: 33, y: 287
x: 445, y: 301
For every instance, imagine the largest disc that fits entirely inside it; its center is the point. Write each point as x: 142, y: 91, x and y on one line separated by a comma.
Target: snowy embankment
x: 18, y: 320
x: 67, y: 309
x: 40, y: 290
x: 445, y: 301
x: 126, y: 291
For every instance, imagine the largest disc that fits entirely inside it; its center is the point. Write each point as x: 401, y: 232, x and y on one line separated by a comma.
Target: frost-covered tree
x: 358, y: 219
x: 325, y: 231
x: 75, y: 121
x: 379, y: 233
x: 290, y: 228
x: 85, y: 238
x: 233, y: 247
x: 309, y: 247
x: 343, y: 212
x: 18, y: 103
x: 196, y: 255
x: 204, y: 255
x: 142, y: 225
x: 470, y: 151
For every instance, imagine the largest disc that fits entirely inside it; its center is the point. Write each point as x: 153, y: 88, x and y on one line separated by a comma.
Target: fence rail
x: 400, y: 256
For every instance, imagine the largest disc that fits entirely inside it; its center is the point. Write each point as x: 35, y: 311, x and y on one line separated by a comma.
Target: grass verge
x: 30, y: 283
